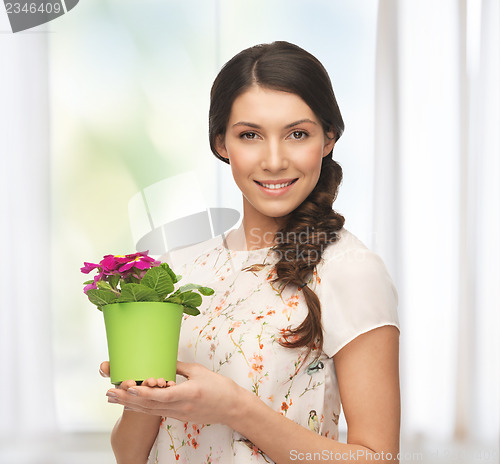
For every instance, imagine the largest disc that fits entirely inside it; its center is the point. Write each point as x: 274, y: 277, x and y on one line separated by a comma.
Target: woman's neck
x: 250, y: 237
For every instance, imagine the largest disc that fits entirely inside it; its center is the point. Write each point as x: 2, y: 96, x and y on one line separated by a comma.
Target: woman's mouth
x: 276, y: 187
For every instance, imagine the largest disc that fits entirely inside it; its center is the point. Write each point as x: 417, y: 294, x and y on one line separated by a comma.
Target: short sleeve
x: 356, y: 294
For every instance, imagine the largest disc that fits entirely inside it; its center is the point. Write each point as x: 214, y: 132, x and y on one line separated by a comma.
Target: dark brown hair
x: 287, y: 67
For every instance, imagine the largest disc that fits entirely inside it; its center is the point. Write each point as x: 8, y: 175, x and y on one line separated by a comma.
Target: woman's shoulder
x: 346, y: 247
x: 356, y: 292
x: 349, y: 266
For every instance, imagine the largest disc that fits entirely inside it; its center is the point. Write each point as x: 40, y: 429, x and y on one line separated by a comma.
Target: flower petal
x: 137, y: 255
x: 89, y: 287
x: 142, y: 264
x: 88, y: 267
x: 110, y: 263
x: 98, y: 277
x: 127, y: 266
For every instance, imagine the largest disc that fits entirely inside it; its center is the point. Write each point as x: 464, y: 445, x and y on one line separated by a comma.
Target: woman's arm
x: 133, y: 436
x: 368, y: 375
x: 134, y: 433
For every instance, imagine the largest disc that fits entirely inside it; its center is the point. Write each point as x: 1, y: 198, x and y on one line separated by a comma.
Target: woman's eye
x: 299, y: 135
x: 248, y: 135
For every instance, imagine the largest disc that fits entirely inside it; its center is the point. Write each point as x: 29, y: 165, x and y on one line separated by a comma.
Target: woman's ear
x: 329, y: 142
x: 220, y: 146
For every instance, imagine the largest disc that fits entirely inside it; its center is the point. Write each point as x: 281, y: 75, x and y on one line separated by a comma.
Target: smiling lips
x: 276, y: 184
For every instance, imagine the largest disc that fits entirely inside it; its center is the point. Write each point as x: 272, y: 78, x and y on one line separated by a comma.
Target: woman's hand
x: 151, y: 382
x: 104, y: 369
x: 205, y: 397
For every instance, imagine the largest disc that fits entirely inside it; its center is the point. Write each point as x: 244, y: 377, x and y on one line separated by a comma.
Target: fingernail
x: 133, y: 392
x: 112, y: 400
x: 111, y: 394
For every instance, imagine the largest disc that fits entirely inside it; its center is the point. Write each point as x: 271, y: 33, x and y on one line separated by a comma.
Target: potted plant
x: 142, y: 313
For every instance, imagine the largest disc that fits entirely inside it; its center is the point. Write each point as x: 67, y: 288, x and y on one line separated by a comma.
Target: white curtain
x: 437, y: 208
x: 26, y: 380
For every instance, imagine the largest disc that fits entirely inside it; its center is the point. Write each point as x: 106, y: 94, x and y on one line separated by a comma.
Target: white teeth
x: 276, y: 186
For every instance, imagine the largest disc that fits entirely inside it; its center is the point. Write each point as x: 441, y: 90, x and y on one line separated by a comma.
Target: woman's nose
x: 274, y: 157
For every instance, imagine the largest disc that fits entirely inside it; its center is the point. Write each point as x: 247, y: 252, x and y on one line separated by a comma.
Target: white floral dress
x: 238, y: 331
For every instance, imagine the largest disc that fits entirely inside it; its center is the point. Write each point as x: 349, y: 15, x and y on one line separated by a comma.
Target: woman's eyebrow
x: 288, y: 126
x: 249, y: 124
x: 300, y: 121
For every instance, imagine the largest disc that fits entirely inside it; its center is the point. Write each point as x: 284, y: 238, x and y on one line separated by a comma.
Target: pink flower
x: 135, y: 265
x: 88, y: 267
x: 93, y: 285
x: 120, y: 264
x: 111, y: 263
x: 88, y: 287
x: 138, y: 260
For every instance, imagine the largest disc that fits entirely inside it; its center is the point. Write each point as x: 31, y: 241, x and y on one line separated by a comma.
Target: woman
x: 303, y: 318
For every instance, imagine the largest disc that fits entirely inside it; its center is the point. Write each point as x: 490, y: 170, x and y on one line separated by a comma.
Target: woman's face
x: 275, y: 145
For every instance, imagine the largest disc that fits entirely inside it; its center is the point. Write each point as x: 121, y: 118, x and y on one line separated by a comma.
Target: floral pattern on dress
x: 238, y: 334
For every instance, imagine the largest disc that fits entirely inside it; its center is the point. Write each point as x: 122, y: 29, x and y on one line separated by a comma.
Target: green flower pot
x: 143, y: 340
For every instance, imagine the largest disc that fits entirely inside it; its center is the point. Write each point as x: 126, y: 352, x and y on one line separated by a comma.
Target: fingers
x: 128, y: 390
x: 153, y: 400
x: 137, y: 398
x: 129, y: 393
x: 152, y: 382
x: 162, y: 383
x: 126, y: 384
x: 104, y: 369
x: 185, y: 369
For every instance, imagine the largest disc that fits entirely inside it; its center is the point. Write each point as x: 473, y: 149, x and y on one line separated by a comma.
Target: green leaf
x: 173, y: 299
x: 103, y: 284
x: 191, y: 310
x: 190, y: 299
x: 88, y: 282
x: 101, y: 297
x: 203, y: 290
x: 175, y: 278
x: 137, y: 292
x: 187, y: 287
x: 113, y: 280
x: 133, y: 279
x: 159, y: 280
x: 206, y: 291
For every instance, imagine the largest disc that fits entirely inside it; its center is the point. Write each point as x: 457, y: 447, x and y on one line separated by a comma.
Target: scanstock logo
x: 27, y: 14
